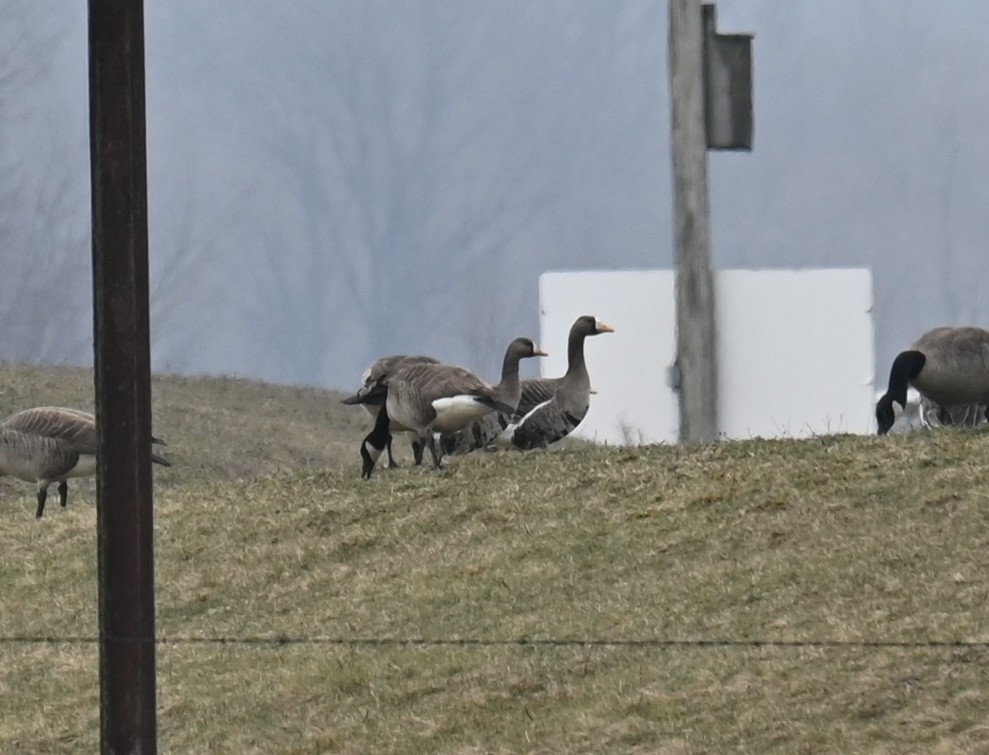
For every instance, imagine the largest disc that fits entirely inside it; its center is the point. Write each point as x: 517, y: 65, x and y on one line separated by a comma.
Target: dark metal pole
x: 123, y: 376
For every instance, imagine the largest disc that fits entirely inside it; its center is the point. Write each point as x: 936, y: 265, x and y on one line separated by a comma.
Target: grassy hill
x: 217, y: 428
x: 826, y: 595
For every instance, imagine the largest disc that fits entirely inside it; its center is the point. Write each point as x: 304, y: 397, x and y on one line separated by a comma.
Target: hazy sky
x: 335, y: 180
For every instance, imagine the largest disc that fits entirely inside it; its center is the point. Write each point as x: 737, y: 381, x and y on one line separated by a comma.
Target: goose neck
x: 575, y: 356
x: 510, y: 387
x: 906, y: 367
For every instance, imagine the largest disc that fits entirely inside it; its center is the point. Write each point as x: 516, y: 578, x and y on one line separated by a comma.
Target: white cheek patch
x: 372, y: 452
x: 897, y: 410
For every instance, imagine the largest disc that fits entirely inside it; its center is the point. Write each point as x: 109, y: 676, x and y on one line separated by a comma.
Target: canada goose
x: 549, y: 408
x: 442, y: 398
x: 372, y: 393
x: 51, y: 444
x: 947, y: 366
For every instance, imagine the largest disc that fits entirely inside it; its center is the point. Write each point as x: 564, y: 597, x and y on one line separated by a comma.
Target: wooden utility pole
x: 125, y: 538
x: 695, y: 331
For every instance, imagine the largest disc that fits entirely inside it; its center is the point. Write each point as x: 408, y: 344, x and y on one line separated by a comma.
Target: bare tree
x: 417, y: 166
x: 372, y: 177
x: 45, y: 288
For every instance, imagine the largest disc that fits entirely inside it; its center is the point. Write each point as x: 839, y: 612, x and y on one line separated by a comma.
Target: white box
x: 795, y: 351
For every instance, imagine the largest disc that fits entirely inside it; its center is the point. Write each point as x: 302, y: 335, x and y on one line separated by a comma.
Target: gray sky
x: 331, y: 181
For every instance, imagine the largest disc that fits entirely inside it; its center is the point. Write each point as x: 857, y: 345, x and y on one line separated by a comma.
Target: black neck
x: 906, y: 367
x: 380, y: 434
x: 378, y: 439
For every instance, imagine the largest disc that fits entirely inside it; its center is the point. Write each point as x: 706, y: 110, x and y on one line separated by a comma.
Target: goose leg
x: 417, y: 449
x: 439, y: 447
x: 391, y: 459
x: 431, y: 442
x: 63, y: 493
x: 42, y: 497
x: 448, y: 443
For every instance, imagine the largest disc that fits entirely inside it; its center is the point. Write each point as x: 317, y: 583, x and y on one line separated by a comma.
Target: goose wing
x: 436, y: 381
x: 373, y: 391
x: 554, y: 418
x: 506, y: 439
x: 496, y: 427
x: 418, y: 394
x: 74, y: 427
x: 385, y: 366
x: 57, y: 457
x: 535, y: 392
x: 33, y: 457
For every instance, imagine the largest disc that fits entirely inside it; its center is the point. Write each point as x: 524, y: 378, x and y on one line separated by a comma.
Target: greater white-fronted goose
x: 49, y: 444
x: 549, y: 408
x: 442, y: 398
x: 373, y: 391
x: 948, y: 366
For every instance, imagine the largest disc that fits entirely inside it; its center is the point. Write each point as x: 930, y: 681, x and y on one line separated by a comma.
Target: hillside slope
x: 823, y: 595
x: 218, y: 428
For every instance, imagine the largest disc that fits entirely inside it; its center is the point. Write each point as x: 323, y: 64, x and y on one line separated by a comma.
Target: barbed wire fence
x: 478, y: 642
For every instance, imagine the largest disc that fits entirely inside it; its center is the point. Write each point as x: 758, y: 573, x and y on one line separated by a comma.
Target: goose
x: 920, y: 413
x: 442, y: 398
x: 948, y: 366
x: 549, y: 408
x: 49, y: 444
x: 372, y: 393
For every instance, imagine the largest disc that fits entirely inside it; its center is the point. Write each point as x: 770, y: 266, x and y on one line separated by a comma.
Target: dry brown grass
x: 509, y: 562
x: 219, y: 428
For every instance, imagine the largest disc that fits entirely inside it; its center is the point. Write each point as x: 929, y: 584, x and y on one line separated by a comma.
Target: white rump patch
x: 453, y: 412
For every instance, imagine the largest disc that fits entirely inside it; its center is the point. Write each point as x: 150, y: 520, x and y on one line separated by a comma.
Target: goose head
x: 509, y: 390
x: 523, y: 348
x: 588, y: 325
x: 888, y: 410
x: 906, y: 367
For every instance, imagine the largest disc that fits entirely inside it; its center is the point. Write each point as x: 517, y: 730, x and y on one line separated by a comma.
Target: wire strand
x: 284, y: 640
